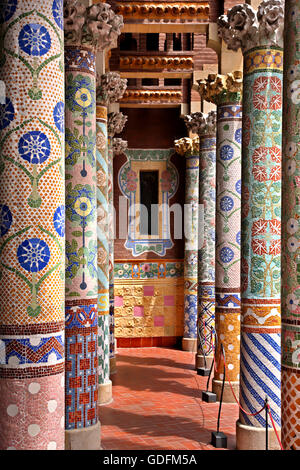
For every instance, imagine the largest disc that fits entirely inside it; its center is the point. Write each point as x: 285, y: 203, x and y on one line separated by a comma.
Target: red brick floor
x: 157, y: 404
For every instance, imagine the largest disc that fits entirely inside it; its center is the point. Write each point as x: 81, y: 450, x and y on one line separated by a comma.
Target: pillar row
x: 260, y: 37
x: 32, y: 235
x: 82, y: 41
x: 110, y: 89
x: 225, y: 92
x: 190, y: 149
x: 116, y: 123
x: 205, y: 126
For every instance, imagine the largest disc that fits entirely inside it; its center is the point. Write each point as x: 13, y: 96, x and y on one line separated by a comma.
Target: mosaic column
x: 226, y: 93
x: 32, y: 216
x: 260, y: 36
x: 116, y: 123
x: 82, y: 40
x: 205, y: 126
x: 110, y: 89
x: 290, y: 323
x: 190, y: 149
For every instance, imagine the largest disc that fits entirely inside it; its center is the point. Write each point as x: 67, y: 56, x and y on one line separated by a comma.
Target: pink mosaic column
x: 290, y: 322
x: 32, y: 216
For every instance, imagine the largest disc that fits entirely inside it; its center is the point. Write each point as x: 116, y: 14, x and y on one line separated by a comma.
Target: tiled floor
x: 157, y: 404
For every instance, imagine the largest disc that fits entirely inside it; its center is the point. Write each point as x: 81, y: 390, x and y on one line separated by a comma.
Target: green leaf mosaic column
x: 82, y: 41
x: 116, y: 123
x: 205, y: 126
x: 32, y: 233
x: 110, y: 89
x: 190, y: 149
x: 225, y: 92
x: 260, y: 37
x: 290, y: 291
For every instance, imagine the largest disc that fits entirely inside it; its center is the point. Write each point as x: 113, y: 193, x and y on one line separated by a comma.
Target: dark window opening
x: 127, y: 42
x: 177, y: 42
x: 150, y: 82
x: 149, y: 203
x: 172, y: 82
x: 152, y: 42
x: 131, y: 82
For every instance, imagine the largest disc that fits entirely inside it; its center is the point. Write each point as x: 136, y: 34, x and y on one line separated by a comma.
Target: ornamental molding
x: 116, y: 123
x: 201, y: 124
x: 245, y: 28
x: 119, y: 146
x: 110, y: 88
x: 156, y: 62
x: 187, y: 146
x: 220, y: 89
x: 163, y: 11
x: 157, y: 96
x: 97, y: 25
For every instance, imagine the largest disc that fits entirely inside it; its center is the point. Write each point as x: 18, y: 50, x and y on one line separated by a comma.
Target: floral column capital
x: 220, y: 89
x: 116, y: 123
x: 95, y: 25
x: 187, y: 146
x: 119, y: 146
x: 110, y: 88
x: 201, y: 124
x: 245, y: 28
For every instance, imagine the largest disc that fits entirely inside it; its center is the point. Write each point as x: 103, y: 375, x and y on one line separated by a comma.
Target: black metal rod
x: 267, y: 424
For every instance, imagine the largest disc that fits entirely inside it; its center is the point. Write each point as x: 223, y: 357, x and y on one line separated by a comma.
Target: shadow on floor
x: 155, y: 361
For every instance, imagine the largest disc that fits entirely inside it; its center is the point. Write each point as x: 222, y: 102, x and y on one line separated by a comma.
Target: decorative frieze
x: 163, y: 11
x: 148, y: 96
x: 156, y: 62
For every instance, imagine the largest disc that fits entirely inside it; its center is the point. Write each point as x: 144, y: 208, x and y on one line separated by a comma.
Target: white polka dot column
x: 32, y: 363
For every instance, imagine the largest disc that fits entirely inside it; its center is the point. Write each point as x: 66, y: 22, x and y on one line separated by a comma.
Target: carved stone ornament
x: 220, y: 89
x: 195, y: 122
x: 116, y: 123
x: 119, y: 146
x: 161, y: 96
x: 187, y: 146
x: 156, y: 62
x: 164, y: 10
x: 110, y: 88
x: 245, y: 28
x: 96, y: 25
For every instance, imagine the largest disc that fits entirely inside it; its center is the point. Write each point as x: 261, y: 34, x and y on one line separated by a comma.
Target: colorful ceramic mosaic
x: 32, y: 226
x: 81, y: 245
x: 159, y: 160
x: 290, y: 292
x: 149, y: 308
x: 261, y: 227
x: 147, y: 269
x: 206, y: 254
x: 228, y: 236
x: 111, y: 248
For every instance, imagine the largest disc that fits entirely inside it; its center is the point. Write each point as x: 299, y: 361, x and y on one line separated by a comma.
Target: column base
x: 84, y: 439
x: 252, y: 438
x: 105, y: 393
x: 227, y: 393
x: 189, y: 344
x: 113, y: 365
x: 200, y: 362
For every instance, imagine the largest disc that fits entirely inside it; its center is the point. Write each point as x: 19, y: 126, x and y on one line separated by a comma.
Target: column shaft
x: 290, y: 379
x: 111, y: 256
x: 261, y: 227
x: 81, y: 250
x: 191, y: 253
x: 32, y: 214
x: 206, y: 255
x: 228, y: 239
x: 105, y: 392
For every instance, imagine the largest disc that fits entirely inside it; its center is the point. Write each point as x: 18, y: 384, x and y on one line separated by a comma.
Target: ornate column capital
x: 96, y: 25
x: 244, y: 27
x: 200, y: 123
x: 116, y: 123
x: 110, y: 88
x: 220, y: 89
x: 119, y: 146
x: 187, y: 146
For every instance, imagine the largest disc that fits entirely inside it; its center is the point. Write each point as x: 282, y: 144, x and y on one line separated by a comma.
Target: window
x: 152, y: 42
x: 149, y: 199
x: 150, y: 82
